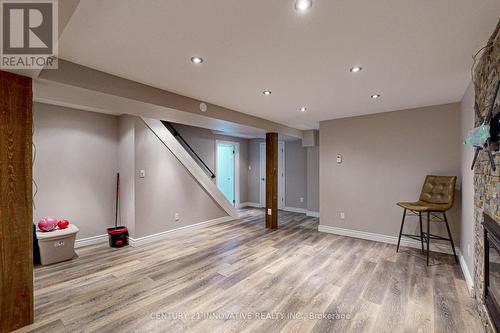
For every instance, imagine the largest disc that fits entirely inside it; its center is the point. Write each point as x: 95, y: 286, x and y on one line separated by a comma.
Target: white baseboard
x: 468, y: 278
x: 135, y: 242
x: 91, y: 241
x: 301, y: 211
x: 295, y: 210
x: 249, y: 204
x: 312, y: 214
x: 286, y: 209
x: 436, y: 247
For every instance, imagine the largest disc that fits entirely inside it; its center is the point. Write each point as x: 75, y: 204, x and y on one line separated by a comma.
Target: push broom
x: 118, y: 235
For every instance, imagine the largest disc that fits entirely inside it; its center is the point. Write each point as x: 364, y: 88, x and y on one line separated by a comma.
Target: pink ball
x: 47, y: 224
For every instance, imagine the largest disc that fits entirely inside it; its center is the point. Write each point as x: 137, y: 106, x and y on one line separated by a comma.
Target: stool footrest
x: 416, y: 237
x: 431, y: 236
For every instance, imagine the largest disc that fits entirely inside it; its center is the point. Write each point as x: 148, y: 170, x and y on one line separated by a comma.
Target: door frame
x: 263, y: 175
x: 236, y: 145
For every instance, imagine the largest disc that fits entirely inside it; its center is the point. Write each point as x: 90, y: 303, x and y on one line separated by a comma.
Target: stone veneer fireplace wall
x: 486, y: 181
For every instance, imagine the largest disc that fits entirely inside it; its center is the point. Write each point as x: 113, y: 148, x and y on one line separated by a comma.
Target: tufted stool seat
x: 436, y: 197
x: 423, y: 206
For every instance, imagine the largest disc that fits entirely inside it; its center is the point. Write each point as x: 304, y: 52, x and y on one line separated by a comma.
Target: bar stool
x: 436, y: 198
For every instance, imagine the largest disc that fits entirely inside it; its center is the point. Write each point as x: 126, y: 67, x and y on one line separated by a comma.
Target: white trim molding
x: 136, y: 242
x: 236, y: 146
x: 91, y: 241
x: 190, y: 164
x: 295, y: 210
x: 249, y: 204
x: 312, y: 213
x: 468, y: 278
x: 309, y: 213
x: 436, y: 247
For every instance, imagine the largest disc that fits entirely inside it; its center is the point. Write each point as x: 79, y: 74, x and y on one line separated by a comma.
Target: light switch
x: 142, y: 173
x: 269, y: 212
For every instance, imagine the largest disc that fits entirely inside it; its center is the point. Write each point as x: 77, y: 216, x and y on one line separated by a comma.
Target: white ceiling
x: 413, y: 52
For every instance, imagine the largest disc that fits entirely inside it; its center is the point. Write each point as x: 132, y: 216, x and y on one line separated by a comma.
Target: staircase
x: 167, y: 134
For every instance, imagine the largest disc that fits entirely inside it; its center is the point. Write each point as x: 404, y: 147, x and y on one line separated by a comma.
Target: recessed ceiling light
x: 302, y: 109
x: 196, y: 60
x: 356, y: 69
x: 303, y: 5
x: 375, y: 96
x: 266, y: 92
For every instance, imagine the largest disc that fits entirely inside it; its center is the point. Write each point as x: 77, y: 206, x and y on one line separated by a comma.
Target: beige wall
x: 126, y: 167
x: 313, y: 179
x: 295, y: 174
x: 467, y: 154
x: 168, y: 188
x: 254, y: 171
x: 75, y: 167
x: 310, y: 138
x: 385, y: 159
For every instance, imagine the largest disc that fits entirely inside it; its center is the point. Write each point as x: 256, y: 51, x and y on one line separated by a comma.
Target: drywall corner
x: 467, y: 186
x: 126, y: 167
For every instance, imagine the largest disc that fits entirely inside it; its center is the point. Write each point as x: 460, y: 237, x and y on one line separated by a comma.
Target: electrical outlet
x: 301, y: 199
x: 342, y: 215
x: 142, y: 173
x: 339, y: 159
x: 177, y: 217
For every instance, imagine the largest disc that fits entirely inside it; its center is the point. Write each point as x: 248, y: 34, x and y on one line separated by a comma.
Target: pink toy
x: 47, y: 224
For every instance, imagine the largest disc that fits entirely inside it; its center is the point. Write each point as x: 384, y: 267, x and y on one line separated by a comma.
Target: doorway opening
x: 281, y: 175
x: 227, y: 170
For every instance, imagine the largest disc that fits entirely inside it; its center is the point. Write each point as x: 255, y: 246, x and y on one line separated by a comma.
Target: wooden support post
x: 272, y: 180
x: 16, y: 211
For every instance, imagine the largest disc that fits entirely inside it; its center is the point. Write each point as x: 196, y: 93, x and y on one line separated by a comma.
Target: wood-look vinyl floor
x: 240, y: 277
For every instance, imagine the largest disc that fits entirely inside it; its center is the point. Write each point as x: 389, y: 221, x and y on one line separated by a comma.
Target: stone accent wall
x: 486, y: 181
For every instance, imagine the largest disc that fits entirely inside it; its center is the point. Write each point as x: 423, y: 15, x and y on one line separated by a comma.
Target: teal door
x: 225, y: 170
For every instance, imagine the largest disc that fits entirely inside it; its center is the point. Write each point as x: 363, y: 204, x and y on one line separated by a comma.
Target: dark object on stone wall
x: 492, y: 142
x: 495, y: 122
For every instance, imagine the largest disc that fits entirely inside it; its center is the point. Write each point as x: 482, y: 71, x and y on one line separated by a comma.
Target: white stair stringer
x: 167, y: 138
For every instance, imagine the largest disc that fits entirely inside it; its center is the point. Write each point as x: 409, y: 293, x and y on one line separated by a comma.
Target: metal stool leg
x: 421, y: 231
x: 401, y: 229
x: 428, y: 234
x: 449, y: 235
